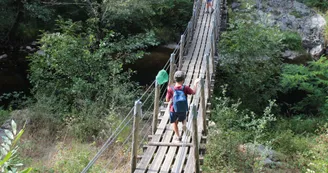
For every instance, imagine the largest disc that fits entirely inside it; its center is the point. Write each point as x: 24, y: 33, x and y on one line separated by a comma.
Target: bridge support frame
x: 172, y: 69
x: 182, y: 43
x: 195, y: 138
x: 203, y: 106
x: 156, y: 107
x: 137, y: 116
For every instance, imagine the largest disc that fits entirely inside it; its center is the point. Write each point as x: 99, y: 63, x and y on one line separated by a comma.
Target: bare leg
x: 207, y: 6
x: 175, y: 128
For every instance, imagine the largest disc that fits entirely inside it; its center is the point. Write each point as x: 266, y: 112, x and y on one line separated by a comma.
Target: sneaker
x: 206, y: 11
x: 176, y: 138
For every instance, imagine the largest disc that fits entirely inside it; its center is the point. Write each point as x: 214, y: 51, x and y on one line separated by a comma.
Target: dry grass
x: 48, y: 153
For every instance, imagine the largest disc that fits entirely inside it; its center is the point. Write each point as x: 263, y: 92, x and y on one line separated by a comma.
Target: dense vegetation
x: 80, y: 89
x: 272, y: 116
x: 78, y: 79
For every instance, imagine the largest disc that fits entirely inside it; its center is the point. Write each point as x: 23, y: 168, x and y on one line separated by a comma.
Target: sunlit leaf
x: 14, y: 126
x: 9, y: 134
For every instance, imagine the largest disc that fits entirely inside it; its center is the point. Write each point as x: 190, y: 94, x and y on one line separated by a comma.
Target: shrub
x: 250, y: 63
x: 235, y: 128
x: 292, y: 41
x: 311, y: 79
x: 289, y: 143
x: 80, y: 77
x: 316, y: 158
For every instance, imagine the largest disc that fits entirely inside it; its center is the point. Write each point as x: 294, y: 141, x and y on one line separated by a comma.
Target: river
x: 14, y: 69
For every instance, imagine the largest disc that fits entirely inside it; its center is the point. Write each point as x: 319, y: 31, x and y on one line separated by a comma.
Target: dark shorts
x: 208, y: 0
x: 180, y: 116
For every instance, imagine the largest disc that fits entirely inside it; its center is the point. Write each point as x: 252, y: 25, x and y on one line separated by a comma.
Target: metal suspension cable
x: 151, y: 85
x: 107, y: 143
x: 149, y: 126
x: 114, y: 170
x: 130, y: 135
x: 150, y: 94
x: 144, y: 137
x: 117, y: 151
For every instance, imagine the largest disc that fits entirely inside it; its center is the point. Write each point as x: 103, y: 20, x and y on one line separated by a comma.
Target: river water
x: 148, y: 67
x: 14, y: 69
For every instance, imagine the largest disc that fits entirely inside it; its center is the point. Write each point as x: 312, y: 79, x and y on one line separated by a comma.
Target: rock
x: 317, y: 51
x: 4, y: 56
x: 267, y: 156
x: 235, y: 6
x: 6, y: 125
x: 295, y: 17
x: 291, y: 55
x: 34, y: 43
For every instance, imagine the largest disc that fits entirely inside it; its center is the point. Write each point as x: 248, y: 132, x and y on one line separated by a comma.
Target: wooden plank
x: 168, y: 144
x: 186, y: 67
x: 156, y: 164
x: 193, y: 65
x: 158, y: 158
x: 148, y: 155
x: 204, y: 47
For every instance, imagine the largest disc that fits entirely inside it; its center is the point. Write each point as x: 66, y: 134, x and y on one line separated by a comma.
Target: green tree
x: 311, y: 79
x: 84, y: 75
x: 250, y: 63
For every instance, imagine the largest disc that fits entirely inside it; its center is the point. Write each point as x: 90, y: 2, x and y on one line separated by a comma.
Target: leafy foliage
x: 250, y: 63
x: 292, y: 41
x: 235, y: 128
x: 72, y: 69
x: 312, y: 79
x: 9, y: 149
x: 82, y: 71
x: 320, y: 4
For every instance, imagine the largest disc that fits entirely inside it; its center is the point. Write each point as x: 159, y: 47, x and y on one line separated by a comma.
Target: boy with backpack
x: 179, y: 105
x: 209, y: 5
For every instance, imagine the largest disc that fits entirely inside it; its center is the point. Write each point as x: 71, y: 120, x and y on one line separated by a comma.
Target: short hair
x: 179, y: 76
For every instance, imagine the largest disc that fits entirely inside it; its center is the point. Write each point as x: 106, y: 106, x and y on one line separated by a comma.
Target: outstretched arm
x: 196, y: 85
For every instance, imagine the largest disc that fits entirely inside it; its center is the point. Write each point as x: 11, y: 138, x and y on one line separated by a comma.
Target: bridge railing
x: 147, y: 107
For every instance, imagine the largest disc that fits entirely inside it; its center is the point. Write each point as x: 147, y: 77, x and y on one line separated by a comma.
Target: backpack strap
x: 172, y: 88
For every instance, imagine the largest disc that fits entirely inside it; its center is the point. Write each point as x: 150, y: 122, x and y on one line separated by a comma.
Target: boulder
x: 291, y: 15
x: 235, y: 6
x: 266, y: 156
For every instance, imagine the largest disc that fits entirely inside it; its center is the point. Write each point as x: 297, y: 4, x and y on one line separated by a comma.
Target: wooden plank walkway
x: 176, y: 159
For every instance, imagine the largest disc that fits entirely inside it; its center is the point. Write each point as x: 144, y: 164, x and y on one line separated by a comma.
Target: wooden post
x: 213, y: 47
x: 188, y: 38
x: 156, y: 107
x: 213, y: 29
x: 208, y: 79
x: 191, y: 30
x: 172, y: 68
x: 181, y: 51
x: 194, y: 18
x: 137, y: 115
x: 195, y: 138
x: 202, y: 97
